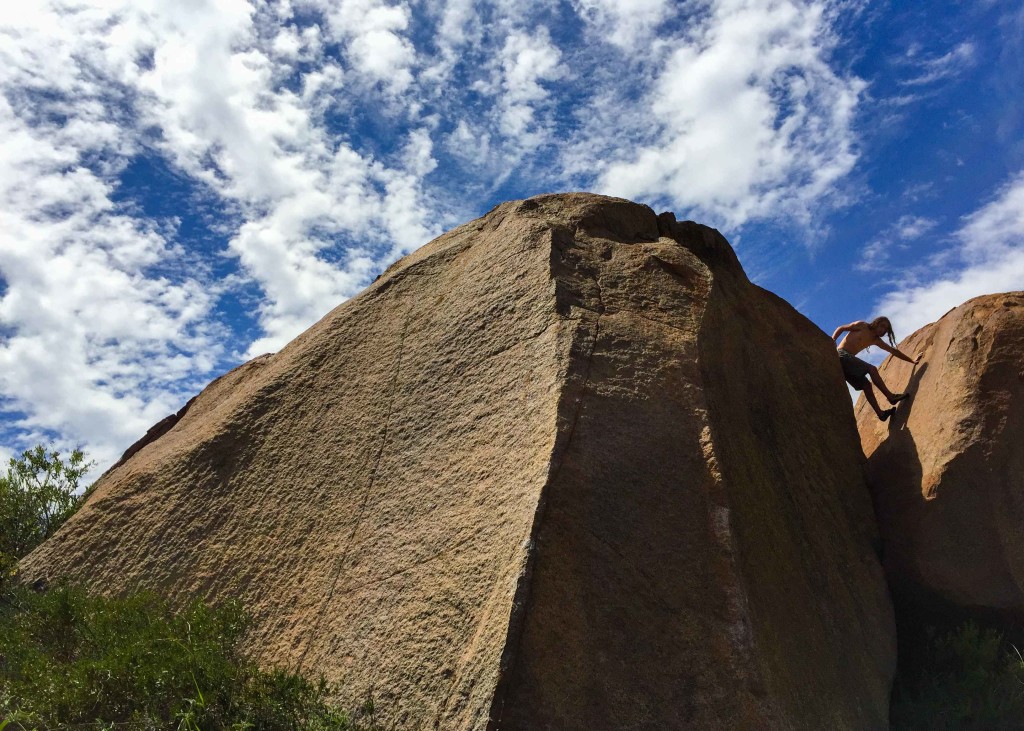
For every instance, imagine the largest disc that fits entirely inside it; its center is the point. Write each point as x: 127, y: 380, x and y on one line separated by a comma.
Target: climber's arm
x: 897, y: 352
x: 848, y: 328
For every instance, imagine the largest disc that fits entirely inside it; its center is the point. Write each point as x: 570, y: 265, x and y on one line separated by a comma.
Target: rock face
x: 947, y: 472
x: 564, y: 467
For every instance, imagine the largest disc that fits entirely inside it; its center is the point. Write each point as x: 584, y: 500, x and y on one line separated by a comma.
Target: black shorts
x: 855, y: 370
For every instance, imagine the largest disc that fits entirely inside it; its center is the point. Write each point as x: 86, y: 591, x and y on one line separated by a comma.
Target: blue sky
x: 184, y: 185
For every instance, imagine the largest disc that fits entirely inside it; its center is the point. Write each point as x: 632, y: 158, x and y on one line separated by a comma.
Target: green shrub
x: 968, y: 678
x: 37, y: 494
x: 70, y: 660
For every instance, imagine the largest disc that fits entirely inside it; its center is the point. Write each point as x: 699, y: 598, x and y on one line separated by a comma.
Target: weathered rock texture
x: 947, y: 472
x: 565, y: 467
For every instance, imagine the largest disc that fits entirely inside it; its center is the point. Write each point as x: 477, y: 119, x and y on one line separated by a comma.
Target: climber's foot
x: 884, y: 416
x: 897, y: 397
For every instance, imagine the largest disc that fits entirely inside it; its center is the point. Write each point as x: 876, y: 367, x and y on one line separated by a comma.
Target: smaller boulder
x: 947, y: 471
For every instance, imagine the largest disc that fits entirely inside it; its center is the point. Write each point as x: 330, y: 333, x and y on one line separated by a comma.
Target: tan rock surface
x: 563, y: 468
x: 947, y: 472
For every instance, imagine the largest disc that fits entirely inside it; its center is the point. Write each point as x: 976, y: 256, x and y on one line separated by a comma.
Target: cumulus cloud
x: 374, y: 36
x: 988, y: 258
x: 745, y: 119
x: 109, y: 322
x: 324, y: 139
x: 527, y: 61
x: 625, y: 23
x: 264, y: 147
x: 97, y: 315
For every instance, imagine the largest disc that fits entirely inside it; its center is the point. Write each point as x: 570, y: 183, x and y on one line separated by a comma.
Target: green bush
x: 70, y: 660
x: 967, y: 679
x: 38, y: 493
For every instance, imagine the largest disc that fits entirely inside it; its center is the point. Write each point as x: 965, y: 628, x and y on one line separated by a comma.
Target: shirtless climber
x: 861, y: 335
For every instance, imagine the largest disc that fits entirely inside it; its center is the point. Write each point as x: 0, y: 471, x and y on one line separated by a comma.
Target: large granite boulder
x: 947, y: 471
x: 564, y: 467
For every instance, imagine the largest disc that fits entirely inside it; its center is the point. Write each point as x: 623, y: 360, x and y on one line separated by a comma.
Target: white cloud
x: 318, y: 131
x: 908, y: 228
x: 90, y: 353
x: 998, y: 228
x: 458, y: 24
x: 298, y: 188
x: 745, y: 119
x: 929, y: 70
x: 373, y: 32
x: 875, y: 255
x: 625, y: 23
x: 512, y: 111
x: 472, y: 145
x: 107, y: 332
x: 527, y: 61
x: 988, y: 259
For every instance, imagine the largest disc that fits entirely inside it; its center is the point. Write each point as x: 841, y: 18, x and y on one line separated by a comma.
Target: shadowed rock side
x: 947, y: 472
x: 563, y: 467
x: 704, y: 557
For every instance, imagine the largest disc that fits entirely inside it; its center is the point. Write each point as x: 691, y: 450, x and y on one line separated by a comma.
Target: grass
x: 71, y: 660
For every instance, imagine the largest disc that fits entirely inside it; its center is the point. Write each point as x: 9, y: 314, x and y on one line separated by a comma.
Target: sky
x: 186, y: 184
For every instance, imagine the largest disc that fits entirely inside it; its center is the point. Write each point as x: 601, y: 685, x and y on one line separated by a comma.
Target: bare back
x: 858, y: 338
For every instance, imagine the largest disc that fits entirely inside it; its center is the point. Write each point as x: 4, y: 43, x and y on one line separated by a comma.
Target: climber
x: 862, y: 335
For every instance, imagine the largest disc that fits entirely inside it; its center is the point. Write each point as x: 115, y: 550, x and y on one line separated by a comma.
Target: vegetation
x: 38, y: 493
x: 967, y: 679
x: 69, y: 660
